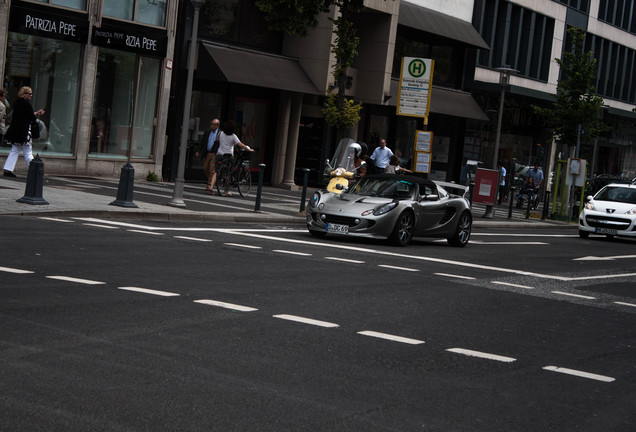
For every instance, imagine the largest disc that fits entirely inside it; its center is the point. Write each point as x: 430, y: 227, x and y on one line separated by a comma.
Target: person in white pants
x: 19, y: 133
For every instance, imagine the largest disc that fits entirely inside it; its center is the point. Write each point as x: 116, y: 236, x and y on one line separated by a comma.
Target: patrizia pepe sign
x: 129, y: 37
x: 48, y: 22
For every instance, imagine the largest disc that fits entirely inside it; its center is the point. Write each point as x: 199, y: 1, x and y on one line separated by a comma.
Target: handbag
x: 35, y: 130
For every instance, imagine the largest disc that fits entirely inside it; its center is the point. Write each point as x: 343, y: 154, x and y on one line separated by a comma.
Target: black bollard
x: 261, y: 171
x: 125, y: 189
x: 35, y: 183
x: 304, y: 195
x: 512, y: 198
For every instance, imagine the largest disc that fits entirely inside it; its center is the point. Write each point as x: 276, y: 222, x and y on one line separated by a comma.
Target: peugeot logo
x: 611, y: 210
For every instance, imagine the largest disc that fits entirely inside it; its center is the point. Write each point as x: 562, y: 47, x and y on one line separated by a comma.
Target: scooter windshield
x: 345, y: 154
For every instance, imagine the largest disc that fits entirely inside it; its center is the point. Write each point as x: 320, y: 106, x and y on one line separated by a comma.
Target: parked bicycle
x: 234, y: 173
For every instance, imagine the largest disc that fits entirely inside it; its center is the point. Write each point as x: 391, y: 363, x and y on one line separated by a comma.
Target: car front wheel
x: 403, y: 230
x: 462, y: 232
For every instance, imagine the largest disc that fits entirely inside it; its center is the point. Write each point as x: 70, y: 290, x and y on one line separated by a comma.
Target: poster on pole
x: 422, y: 151
x: 416, y: 81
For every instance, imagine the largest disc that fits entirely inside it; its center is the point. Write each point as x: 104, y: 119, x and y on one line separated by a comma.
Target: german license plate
x: 340, y: 229
x: 606, y: 231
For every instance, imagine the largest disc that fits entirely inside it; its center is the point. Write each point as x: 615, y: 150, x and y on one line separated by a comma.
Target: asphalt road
x: 109, y: 325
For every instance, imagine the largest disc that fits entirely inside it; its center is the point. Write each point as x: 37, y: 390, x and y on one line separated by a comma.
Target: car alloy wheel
x: 462, y: 232
x: 403, y: 231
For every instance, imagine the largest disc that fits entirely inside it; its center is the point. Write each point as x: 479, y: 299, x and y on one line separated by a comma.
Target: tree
x: 295, y: 17
x: 576, y: 100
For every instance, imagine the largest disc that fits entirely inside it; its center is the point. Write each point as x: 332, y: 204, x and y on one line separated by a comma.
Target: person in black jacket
x: 19, y: 133
x: 209, y: 156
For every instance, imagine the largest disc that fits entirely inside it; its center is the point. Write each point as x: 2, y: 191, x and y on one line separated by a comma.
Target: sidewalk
x: 73, y: 197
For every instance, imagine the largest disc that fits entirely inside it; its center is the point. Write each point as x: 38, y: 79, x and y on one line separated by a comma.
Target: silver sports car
x: 397, y: 207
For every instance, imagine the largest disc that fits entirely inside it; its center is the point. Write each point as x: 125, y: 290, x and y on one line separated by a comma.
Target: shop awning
x: 430, y: 21
x: 447, y: 101
x: 260, y: 69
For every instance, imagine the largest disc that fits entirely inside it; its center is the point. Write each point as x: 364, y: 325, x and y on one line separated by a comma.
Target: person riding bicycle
x: 528, y: 190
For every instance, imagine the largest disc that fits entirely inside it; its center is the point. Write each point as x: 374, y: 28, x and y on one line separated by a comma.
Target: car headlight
x: 385, y: 208
x: 338, y: 172
x: 315, y: 199
x: 631, y: 211
x: 589, y: 205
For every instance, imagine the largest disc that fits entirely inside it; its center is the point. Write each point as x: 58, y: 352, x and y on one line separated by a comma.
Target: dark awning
x: 430, y: 21
x: 260, y: 69
x: 447, y: 101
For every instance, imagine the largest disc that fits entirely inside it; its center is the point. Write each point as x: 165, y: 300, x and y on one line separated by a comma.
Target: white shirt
x: 381, y: 156
x: 227, y: 143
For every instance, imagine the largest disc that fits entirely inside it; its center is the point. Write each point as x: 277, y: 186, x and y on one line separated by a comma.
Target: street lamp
x: 504, y: 81
x: 177, y: 195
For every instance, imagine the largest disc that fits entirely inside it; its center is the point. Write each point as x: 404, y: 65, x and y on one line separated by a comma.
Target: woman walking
x: 19, y: 133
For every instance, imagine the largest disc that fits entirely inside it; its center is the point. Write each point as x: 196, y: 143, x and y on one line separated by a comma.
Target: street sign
x: 416, y: 81
x: 485, y: 191
x: 423, y: 149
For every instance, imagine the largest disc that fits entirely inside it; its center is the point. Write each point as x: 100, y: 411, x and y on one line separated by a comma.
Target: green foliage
x: 345, y: 116
x: 293, y: 16
x: 152, y: 177
x: 576, y: 99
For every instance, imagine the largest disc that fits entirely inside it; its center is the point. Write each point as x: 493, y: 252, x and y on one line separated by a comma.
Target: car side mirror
x: 429, y: 197
x: 340, y: 186
x: 588, y: 198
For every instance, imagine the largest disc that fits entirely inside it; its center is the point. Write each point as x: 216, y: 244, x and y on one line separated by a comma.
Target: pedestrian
x: 394, y: 166
x: 537, y: 174
x: 502, y: 182
x: 227, y: 141
x: 208, y: 146
x: 19, y: 132
x: 381, y: 156
x: 3, y: 115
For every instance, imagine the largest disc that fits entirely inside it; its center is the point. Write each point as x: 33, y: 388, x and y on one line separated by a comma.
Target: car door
x: 430, y: 210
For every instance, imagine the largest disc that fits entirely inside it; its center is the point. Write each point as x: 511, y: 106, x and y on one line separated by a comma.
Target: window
x: 125, y: 106
x: 71, y: 4
x: 151, y: 12
x: 51, y: 68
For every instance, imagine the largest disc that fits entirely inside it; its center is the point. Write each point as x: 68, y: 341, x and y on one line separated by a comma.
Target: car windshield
x: 617, y: 194
x: 386, y: 188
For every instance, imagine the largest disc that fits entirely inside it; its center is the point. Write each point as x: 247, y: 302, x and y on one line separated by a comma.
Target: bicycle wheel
x: 223, y: 180
x: 244, y: 181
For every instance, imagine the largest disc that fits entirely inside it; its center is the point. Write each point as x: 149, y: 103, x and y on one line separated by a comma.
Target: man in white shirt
x: 381, y: 156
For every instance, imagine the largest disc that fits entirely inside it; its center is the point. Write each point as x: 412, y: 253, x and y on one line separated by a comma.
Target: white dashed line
x: 56, y: 219
x: 581, y: 374
x: 243, y: 245
x: 145, y: 232
x: 100, y: 226
x: 224, y: 305
x: 352, y: 261
x: 625, y: 304
x: 291, y: 252
x: 574, y: 295
x: 192, y: 238
x: 76, y: 280
x: 149, y: 291
x: 398, y: 268
x: 454, y: 276
x: 483, y: 355
x: 512, y: 285
x: 391, y: 337
x: 306, y: 320
x: 15, y: 270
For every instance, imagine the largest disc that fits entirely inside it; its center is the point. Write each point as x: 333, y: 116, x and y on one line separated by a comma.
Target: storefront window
x: 51, y: 68
x: 72, y: 4
x: 143, y: 11
x: 125, y: 105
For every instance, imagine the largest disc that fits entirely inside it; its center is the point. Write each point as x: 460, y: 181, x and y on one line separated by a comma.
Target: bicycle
x: 234, y: 173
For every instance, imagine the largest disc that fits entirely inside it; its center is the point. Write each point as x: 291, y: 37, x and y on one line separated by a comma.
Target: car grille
x: 608, y: 222
x: 340, y: 220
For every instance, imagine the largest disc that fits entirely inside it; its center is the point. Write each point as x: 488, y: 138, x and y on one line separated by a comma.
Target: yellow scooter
x: 343, y: 172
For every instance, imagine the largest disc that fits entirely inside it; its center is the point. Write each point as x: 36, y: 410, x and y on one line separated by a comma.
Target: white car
x: 611, y: 212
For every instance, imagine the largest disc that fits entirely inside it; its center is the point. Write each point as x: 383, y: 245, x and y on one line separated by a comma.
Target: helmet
x: 355, y: 147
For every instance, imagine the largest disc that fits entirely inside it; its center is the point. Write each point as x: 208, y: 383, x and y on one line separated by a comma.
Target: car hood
x: 356, y: 201
x: 612, y: 207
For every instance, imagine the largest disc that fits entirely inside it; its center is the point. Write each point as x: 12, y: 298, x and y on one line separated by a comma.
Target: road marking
x: 397, y: 268
x: 192, y: 238
x: 609, y: 258
x: 291, y: 252
x: 610, y: 276
x: 626, y: 304
x: 149, y: 291
x: 15, y: 270
x: 581, y: 374
x: 391, y: 337
x: 483, y: 355
x: 224, y: 305
x: 454, y: 276
x: 56, y: 219
x: 145, y: 232
x: 76, y: 280
x: 306, y: 320
x: 243, y: 245
x: 533, y: 243
x: 512, y: 285
x: 100, y: 226
x: 574, y: 295
x: 345, y: 260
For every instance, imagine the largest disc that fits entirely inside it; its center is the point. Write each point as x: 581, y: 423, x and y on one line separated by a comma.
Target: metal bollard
x: 471, y: 188
x: 512, y: 198
x: 259, y: 191
x: 35, y: 183
x: 125, y: 189
x: 304, y: 195
x: 529, y: 205
x: 546, y: 205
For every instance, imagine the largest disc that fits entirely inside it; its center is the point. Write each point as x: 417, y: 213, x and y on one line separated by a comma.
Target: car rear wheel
x: 462, y: 233
x: 584, y: 234
x: 403, y: 230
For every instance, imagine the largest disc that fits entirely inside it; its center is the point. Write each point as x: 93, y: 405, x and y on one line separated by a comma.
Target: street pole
x: 572, y: 186
x: 177, y: 195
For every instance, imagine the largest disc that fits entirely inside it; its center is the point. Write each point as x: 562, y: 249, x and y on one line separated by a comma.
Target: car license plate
x: 340, y: 229
x: 606, y: 231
